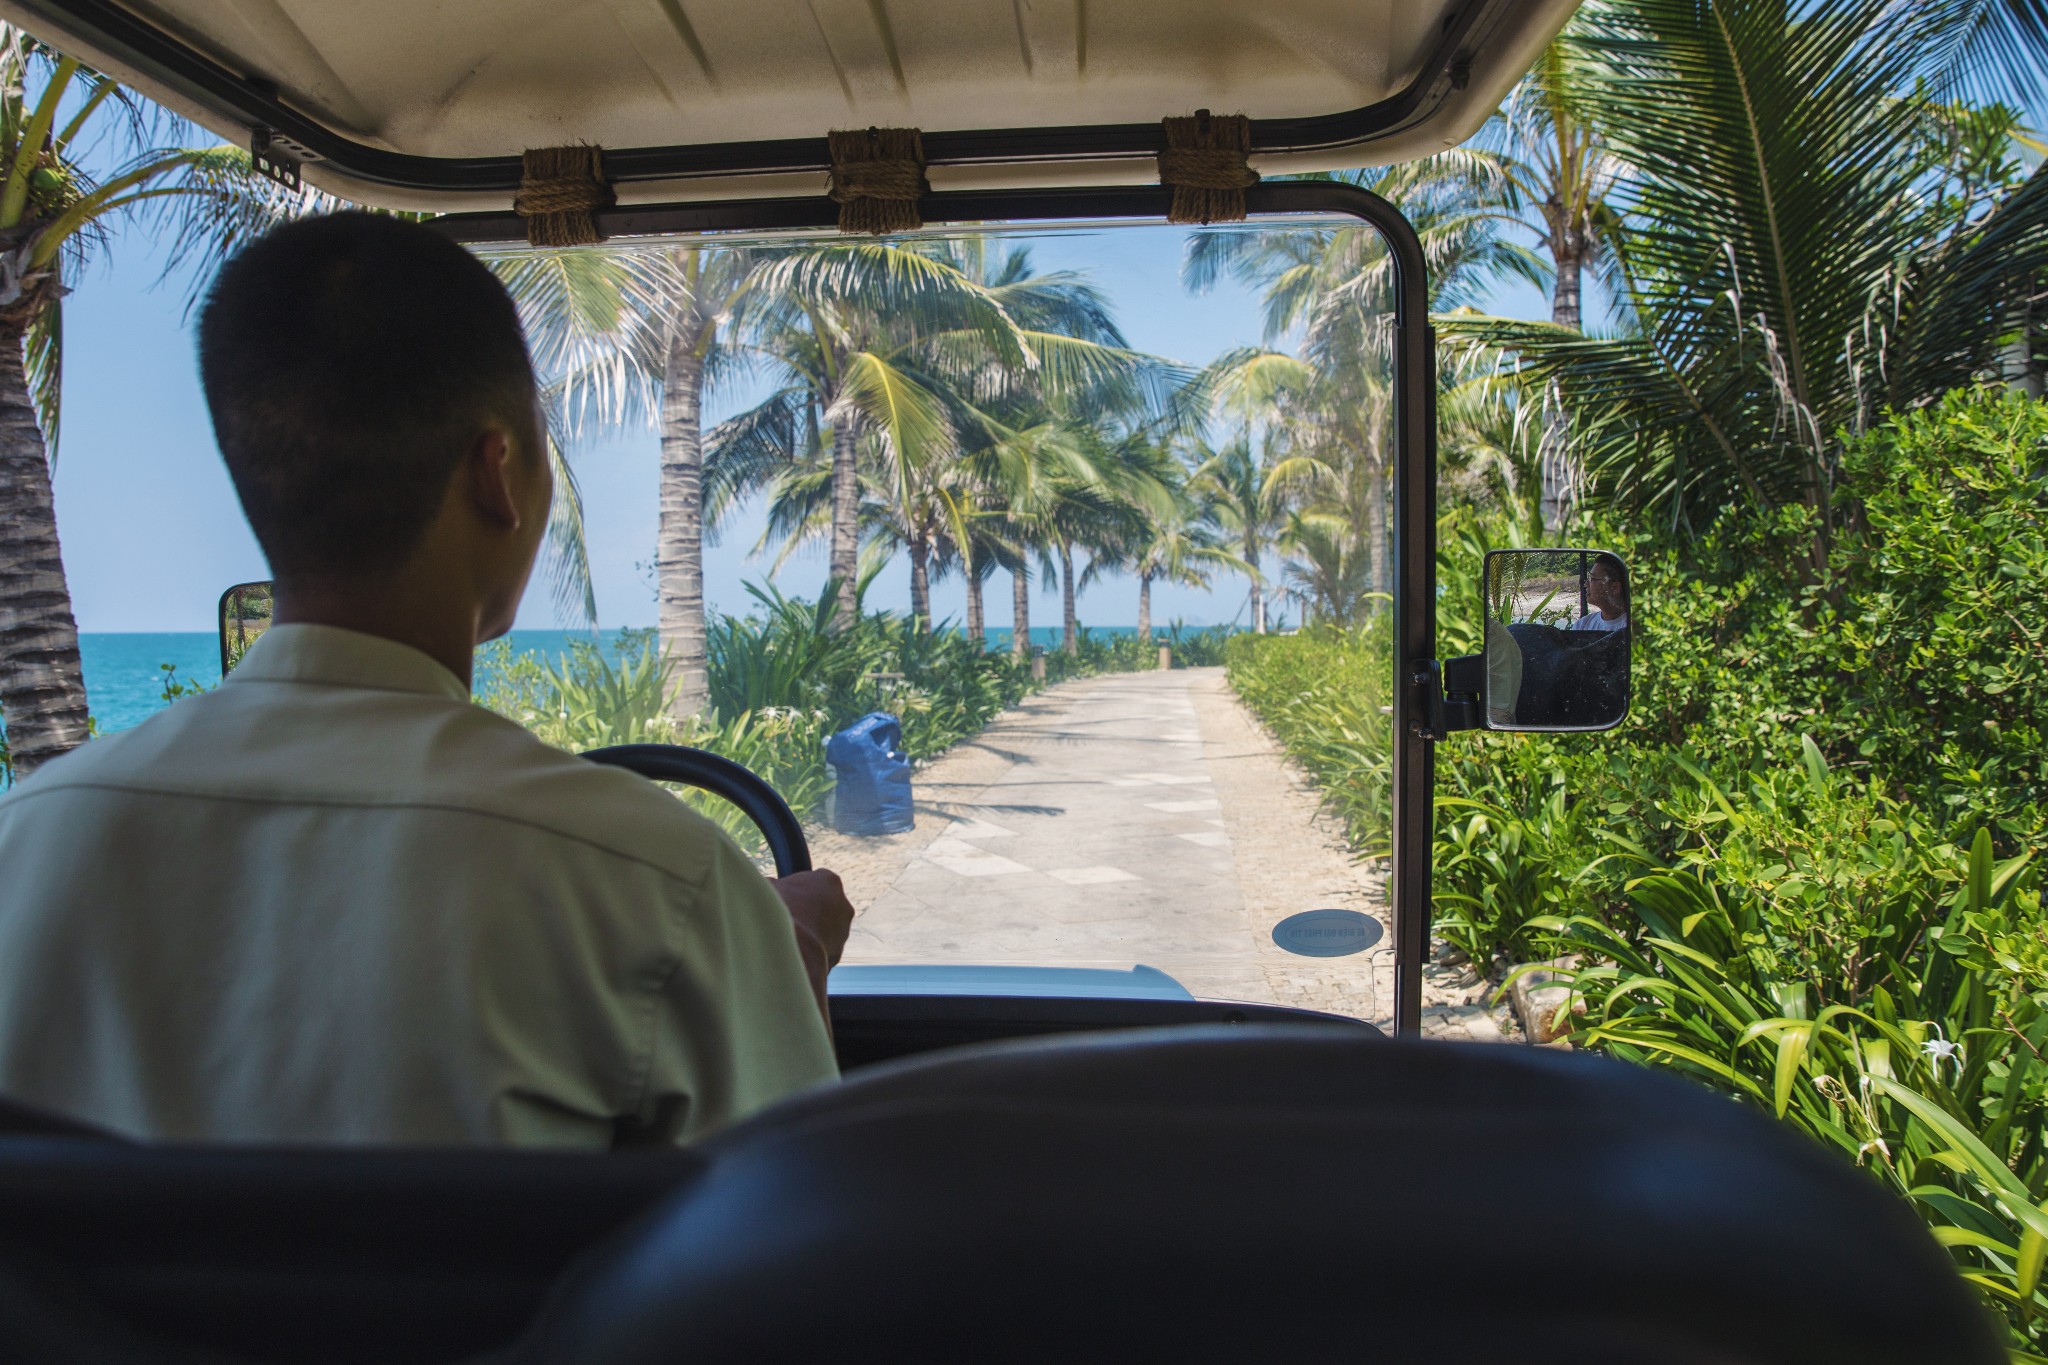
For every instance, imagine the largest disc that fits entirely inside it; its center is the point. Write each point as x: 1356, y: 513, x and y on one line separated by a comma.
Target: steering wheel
x: 721, y: 777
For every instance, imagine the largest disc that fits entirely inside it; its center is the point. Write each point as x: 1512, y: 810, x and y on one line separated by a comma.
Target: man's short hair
x: 349, y: 361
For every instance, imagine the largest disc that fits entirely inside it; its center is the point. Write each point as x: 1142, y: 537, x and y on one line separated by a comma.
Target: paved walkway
x: 1136, y: 819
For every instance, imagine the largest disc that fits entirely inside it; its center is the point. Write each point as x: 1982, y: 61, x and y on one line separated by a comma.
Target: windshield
x: 981, y: 515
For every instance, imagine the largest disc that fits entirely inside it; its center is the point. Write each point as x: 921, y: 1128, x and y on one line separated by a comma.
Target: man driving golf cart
x: 334, y: 901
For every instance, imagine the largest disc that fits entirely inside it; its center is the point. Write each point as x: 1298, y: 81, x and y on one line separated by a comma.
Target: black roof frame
x: 253, y: 99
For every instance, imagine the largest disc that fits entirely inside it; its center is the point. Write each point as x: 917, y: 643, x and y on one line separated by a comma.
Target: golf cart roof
x: 429, y: 106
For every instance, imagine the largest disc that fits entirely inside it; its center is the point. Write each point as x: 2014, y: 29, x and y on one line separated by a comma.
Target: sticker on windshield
x: 1327, y: 933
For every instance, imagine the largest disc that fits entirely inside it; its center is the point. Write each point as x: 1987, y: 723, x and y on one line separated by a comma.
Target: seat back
x: 132, y: 1254
x: 1268, y: 1194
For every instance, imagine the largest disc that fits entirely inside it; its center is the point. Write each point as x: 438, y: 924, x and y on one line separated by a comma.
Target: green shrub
x: 1830, y: 956
x: 1941, y: 638
x: 1326, y: 694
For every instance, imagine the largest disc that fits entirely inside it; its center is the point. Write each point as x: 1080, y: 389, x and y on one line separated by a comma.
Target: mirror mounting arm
x: 1450, y: 695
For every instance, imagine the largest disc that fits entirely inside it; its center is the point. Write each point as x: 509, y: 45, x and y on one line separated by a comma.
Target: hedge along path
x: 1139, y: 818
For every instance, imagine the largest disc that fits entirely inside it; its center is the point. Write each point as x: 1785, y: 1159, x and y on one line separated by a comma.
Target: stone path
x: 1137, y: 819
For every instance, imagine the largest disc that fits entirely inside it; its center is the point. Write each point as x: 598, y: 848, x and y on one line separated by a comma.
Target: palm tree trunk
x: 1145, y: 608
x: 1070, y: 640
x: 846, y: 520
x: 42, y: 685
x: 1554, y: 458
x: 1566, y: 308
x: 679, y: 544
x: 920, y: 585
x: 1251, y: 557
x: 1020, y: 612
x: 977, y: 621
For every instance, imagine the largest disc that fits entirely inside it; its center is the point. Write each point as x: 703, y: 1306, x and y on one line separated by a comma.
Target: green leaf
x: 1792, y: 1046
x: 1816, y: 766
x: 1985, y: 1166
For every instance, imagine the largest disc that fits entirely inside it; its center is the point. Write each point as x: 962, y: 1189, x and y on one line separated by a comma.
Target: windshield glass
x: 981, y: 513
x: 961, y: 541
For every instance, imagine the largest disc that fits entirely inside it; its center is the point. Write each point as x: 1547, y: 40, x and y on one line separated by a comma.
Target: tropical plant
x: 1179, y: 547
x: 642, y: 335
x: 866, y: 340
x: 1236, y: 484
x: 1798, y: 260
x: 1321, y: 416
x: 1555, y: 173
x: 78, y: 154
x: 1326, y: 694
x: 1906, y: 1030
x: 1806, y: 870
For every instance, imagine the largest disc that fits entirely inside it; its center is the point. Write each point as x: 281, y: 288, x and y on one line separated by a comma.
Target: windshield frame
x: 1415, y: 467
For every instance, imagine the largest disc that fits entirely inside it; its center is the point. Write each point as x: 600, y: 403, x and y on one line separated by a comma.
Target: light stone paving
x: 1137, y: 819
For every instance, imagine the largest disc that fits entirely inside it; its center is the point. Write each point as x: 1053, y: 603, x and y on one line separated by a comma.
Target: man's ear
x: 488, y: 478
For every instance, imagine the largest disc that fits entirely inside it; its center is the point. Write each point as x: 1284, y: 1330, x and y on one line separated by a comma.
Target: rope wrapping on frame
x: 878, y: 179
x: 560, y: 191
x: 1205, y: 165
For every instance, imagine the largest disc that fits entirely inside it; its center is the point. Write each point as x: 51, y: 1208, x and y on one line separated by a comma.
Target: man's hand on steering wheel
x: 823, y: 917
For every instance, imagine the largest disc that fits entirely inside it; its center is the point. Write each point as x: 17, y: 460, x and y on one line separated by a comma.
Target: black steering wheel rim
x: 721, y: 777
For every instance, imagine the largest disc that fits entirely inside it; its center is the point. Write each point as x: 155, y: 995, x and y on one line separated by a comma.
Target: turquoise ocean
x: 124, y: 673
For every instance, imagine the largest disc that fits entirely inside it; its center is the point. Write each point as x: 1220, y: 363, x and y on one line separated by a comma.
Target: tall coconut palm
x: 54, y: 212
x: 1557, y: 173
x: 923, y: 379
x: 1791, y: 271
x: 1235, y: 482
x: 639, y: 336
x: 1182, y: 546
x: 1321, y: 414
x: 863, y: 337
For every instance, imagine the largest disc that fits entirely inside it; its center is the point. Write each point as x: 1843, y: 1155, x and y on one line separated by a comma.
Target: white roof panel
x: 427, y: 103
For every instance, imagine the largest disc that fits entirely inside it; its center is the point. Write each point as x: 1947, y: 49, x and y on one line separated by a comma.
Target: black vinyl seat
x: 116, y: 1253
x: 1268, y: 1194
x: 1203, y: 1194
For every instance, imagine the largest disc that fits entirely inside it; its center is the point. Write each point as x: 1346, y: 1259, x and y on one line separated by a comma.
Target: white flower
x: 1939, y: 1049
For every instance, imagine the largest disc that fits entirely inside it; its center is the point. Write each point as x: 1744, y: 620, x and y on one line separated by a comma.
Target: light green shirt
x: 334, y: 901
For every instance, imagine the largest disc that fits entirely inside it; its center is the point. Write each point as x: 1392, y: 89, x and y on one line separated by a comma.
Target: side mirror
x: 1558, y: 638
x: 245, y: 612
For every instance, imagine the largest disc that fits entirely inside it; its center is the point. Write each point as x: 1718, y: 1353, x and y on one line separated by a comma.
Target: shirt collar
x: 344, y: 658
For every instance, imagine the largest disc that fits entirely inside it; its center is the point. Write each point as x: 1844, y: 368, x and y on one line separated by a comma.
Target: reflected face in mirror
x: 1607, y: 588
x: 1557, y: 640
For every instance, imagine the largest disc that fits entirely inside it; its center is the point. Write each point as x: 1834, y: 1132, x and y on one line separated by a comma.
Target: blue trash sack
x: 873, y: 791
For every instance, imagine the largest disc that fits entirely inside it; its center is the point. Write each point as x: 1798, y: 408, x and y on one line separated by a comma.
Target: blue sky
x: 152, y: 532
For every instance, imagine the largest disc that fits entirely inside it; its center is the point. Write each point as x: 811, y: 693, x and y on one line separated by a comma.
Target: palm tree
x: 1490, y: 444
x: 1328, y: 577
x: 867, y: 338
x: 1182, y: 546
x: 921, y: 394
x: 1322, y: 416
x: 53, y: 213
x: 1557, y: 173
x: 624, y: 337
x: 1793, y: 269
x: 1237, y: 486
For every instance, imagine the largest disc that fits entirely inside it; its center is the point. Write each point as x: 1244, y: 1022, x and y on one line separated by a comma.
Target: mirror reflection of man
x: 1606, y: 594
x: 333, y: 900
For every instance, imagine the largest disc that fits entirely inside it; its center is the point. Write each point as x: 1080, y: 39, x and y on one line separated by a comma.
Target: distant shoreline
x: 124, y: 677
